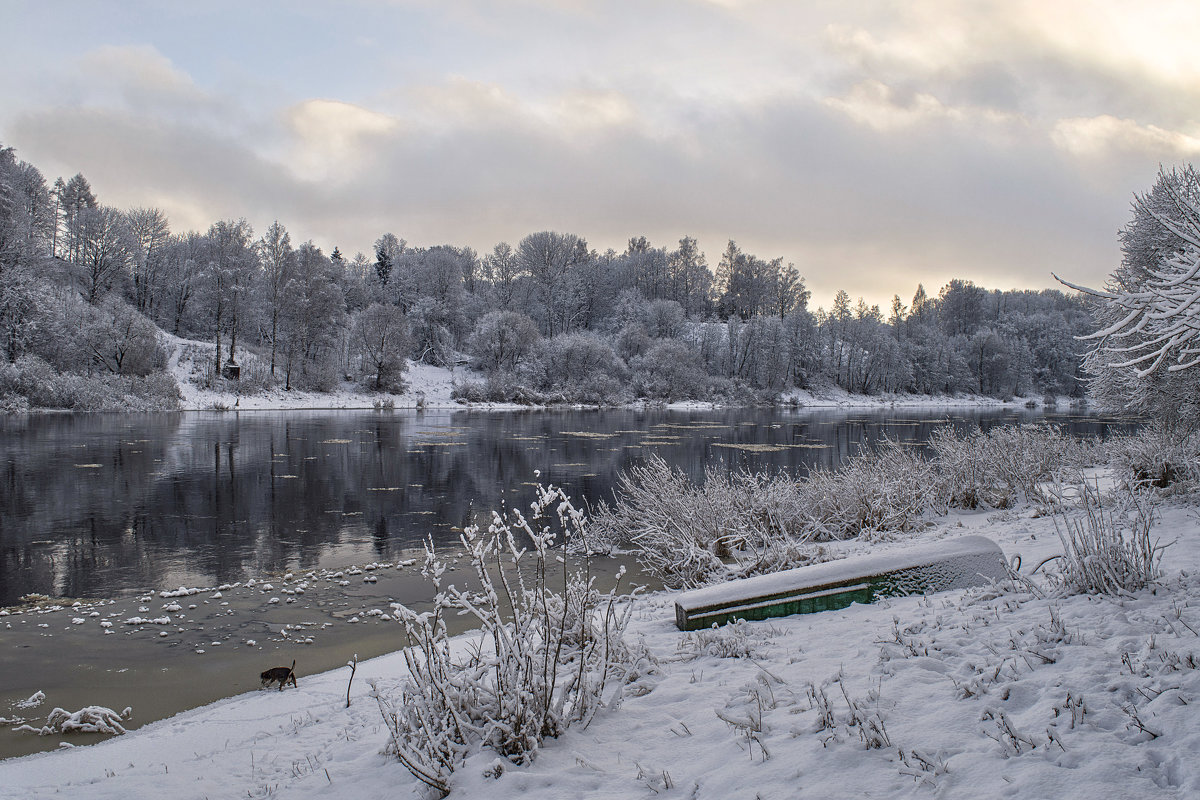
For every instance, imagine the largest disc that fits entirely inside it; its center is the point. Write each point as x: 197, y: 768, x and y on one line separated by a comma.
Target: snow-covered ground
x: 836, y: 397
x: 430, y: 387
x: 968, y: 693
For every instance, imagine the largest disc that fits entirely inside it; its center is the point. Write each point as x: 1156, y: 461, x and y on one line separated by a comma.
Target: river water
x: 102, y: 513
x: 111, y: 505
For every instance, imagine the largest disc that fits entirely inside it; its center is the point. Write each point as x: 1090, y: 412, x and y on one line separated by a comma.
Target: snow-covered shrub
x: 1022, y: 456
x: 1006, y: 464
x: 740, y: 524
x: 685, y: 533
x: 632, y: 341
x: 1157, y: 456
x: 502, y: 340
x: 664, y: 319
x: 500, y: 387
x: 45, y: 387
x: 13, y: 403
x: 1107, y: 550
x: 670, y: 370
x: 725, y: 641
x: 750, y: 523
x: 469, y: 391
x: 546, y: 658
x: 886, y: 489
x: 663, y: 516
x: 578, y: 368
x: 158, y: 391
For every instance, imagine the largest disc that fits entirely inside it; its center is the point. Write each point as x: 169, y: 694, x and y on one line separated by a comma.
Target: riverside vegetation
x: 552, y: 652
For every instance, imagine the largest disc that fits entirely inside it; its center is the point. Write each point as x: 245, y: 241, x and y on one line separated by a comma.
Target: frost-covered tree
x: 26, y: 211
x: 961, y: 307
x: 151, y: 233
x: 74, y: 197
x: 277, y: 262
x: 503, y: 340
x: 20, y: 302
x: 502, y: 270
x: 432, y: 340
x: 226, y: 269
x: 121, y: 340
x: 380, y: 335
x: 181, y: 270
x: 547, y: 257
x: 312, y: 322
x: 105, y: 248
x: 437, y: 274
x: 691, y: 279
x: 388, y: 250
x: 1147, y: 348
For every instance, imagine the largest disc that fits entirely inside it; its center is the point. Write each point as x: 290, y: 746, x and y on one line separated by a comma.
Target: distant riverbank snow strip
x: 980, y: 696
x: 431, y: 387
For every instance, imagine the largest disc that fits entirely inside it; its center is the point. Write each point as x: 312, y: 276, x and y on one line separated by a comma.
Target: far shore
x: 430, y: 388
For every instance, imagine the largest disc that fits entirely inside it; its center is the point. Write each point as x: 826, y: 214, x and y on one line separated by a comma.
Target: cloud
x: 1101, y: 136
x: 333, y: 140
x: 875, y: 147
x: 874, y: 104
x: 141, y: 79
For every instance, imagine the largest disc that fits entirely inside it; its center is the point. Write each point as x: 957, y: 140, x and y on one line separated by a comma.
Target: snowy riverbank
x: 976, y: 695
x: 431, y: 387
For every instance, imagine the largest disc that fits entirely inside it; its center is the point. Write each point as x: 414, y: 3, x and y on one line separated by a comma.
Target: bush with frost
x: 886, y: 489
x: 669, y: 370
x: 1107, y: 548
x: 550, y: 652
x: 577, y: 368
x: 690, y: 534
x: 1157, y: 456
x: 998, y: 468
x: 43, y: 386
x: 734, y: 525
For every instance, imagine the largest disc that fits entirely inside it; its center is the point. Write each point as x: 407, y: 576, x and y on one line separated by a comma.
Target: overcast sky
x: 874, y: 144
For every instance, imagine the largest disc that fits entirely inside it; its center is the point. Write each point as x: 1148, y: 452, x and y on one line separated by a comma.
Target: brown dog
x: 281, y: 675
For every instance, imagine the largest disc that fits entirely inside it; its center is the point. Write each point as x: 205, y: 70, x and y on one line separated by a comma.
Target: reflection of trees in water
x: 224, y: 496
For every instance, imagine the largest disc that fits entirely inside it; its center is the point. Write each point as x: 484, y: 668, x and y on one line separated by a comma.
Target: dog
x: 280, y: 675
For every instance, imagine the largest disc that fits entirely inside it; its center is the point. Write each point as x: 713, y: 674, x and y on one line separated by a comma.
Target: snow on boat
x: 936, y: 567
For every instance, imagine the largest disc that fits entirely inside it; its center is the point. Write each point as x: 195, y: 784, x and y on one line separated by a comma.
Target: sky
x: 876, y: 145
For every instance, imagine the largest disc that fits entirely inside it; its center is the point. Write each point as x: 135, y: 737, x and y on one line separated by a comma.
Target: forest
x: 88, y: 293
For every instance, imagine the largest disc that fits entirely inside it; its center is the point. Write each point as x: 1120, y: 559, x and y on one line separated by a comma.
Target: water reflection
x: 103, y: 505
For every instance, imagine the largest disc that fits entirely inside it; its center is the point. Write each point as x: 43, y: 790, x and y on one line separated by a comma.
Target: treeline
x: 83, y: 287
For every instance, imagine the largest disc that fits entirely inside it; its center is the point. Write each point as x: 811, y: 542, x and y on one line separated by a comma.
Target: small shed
x: 933, y: 567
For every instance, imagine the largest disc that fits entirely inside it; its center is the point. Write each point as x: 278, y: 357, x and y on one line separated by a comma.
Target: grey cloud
x: 870, y: 210
x: 857, y: 209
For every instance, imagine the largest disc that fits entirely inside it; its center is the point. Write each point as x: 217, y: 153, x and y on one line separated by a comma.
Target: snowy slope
x: 970, y: 694
x: 428, y: 386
